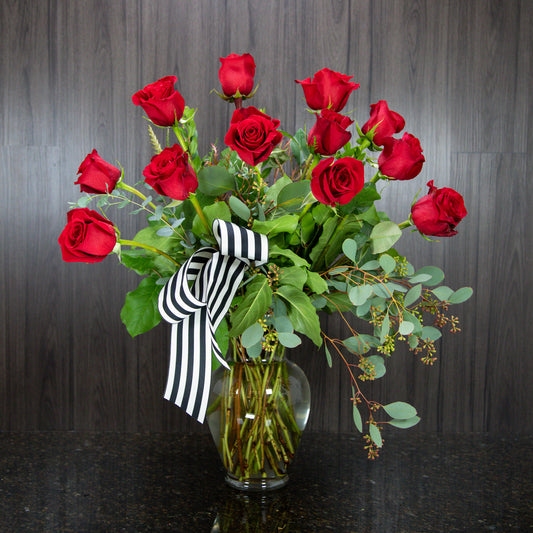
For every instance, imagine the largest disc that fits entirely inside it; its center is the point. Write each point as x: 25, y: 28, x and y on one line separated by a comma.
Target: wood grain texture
x: 461, y: 73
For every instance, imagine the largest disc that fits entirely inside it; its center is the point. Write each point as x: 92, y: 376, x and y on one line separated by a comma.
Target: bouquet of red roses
x: 287, y: 221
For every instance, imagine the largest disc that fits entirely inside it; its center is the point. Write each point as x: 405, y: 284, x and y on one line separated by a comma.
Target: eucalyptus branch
x: 133, y: 190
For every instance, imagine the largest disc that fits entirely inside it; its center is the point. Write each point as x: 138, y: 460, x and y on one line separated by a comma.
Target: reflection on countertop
x: 66, y: 481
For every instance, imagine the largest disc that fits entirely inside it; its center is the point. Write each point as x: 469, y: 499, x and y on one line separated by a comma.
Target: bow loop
x: 241, y: 242
x: 196, y: 310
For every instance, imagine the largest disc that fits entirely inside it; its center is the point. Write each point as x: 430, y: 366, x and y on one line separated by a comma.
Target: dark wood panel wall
x: 460, y: 72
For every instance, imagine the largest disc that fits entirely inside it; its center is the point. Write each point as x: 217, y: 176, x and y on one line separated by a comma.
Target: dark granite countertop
x: 121, y: 482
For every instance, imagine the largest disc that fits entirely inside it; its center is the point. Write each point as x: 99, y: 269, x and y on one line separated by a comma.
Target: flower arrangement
x: 305, y: 198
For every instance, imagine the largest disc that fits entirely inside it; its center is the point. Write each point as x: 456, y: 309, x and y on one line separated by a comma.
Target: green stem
x: 198, y: 209
x: 405, y: 224
x: 377, y: 177
x: 307, y: 166
x: 365, y: 143
x: 304, y: 211
x: 179, y: 136
x: 146, y: 247
x: 126, y: 187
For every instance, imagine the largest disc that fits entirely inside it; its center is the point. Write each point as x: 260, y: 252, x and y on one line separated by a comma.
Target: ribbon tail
x: 189, y: 376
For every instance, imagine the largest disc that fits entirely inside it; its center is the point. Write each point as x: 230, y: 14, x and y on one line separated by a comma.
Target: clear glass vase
x: 257, y: 412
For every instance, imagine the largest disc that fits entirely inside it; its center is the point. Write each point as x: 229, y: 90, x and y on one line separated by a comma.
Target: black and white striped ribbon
x: 195, y: 300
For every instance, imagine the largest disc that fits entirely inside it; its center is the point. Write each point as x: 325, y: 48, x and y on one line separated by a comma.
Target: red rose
x: 401, y: 159
x: 329, y: 132
x: 438, y: 212
x: 252, y: 135
x: 161, y: 102
x: 88, y: 237
x: 237, y: 74
x: 96, y: 175
x: 171, y: 174
x: 327, y: 89
x: 337, y: 181
x: 388, y: 122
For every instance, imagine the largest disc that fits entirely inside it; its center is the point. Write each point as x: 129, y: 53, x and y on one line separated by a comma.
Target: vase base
x: 258, y: 484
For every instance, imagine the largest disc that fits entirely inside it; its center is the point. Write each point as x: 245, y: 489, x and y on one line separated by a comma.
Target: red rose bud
x: 88, y: 237
x: 252, y: 134
x: 237, y: 74
x: 337, y: 181
x: 438, y: 212
x: 96, y: 175
x: 171, y: 174
x: 387, y: 122
x: 161, y: 102
x: 327, y: 89
x: 401, y: 159
x: 329, y: 132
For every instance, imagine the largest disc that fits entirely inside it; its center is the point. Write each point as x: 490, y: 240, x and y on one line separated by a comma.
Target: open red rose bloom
x: 439, y: 212
x: 88, y: 237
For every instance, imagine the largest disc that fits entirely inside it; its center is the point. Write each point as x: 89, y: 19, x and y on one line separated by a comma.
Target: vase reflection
x: 260, y: 513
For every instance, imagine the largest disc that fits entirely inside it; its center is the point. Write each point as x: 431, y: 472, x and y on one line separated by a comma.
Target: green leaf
x: 419, y: 278
x: 222, y: 338
x: 328, y: 356
x: 363, y: 199
x: 347, y: 227
x: 461, y: 295
x: 329, y: 227
x: 214, y: 181
x: 357, y: 418
x: 255, y: 350
x: 370, y: 265
x: 289, y: 254
x: 412, y: 295
x: 388, y: 264
x: 442, y: 293
x: 282, y: 324
x: 284, y: 224
x: 357, y: 344
x: 409, y: 317
x: 360, y: 294
x: 239, y: 208
x: 141, y: 264
x: 370, y: 215
x: 375, y: 435
x: 379, y: 365
x: 400, y: 410
x: 349, y: 247
x: 316, y: 282
x: 385, y: 327
x: 406, y: 328
x: 430, y: 333
x: 252, y: 335
x: 149, y: 235
x: 289, y: 340
x: 165, y: 232
x: 384, y: 235
x: 217, y: 210
x: 254, y: 305
x: 291, y: 197
x: 140, y: 313
x: 273, y: 191
x: 404, y: 424
x: 295, y: 276
x: 301, y: 312
x: 437, y: 275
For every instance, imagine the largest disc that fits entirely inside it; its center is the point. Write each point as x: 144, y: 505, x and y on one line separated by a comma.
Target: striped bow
x: 195, y: 300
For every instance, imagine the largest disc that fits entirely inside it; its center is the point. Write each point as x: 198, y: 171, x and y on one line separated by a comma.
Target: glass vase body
x: 257, y: 412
